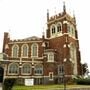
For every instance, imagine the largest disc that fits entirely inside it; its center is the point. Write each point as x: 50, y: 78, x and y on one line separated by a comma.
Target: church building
x: 45, y: 60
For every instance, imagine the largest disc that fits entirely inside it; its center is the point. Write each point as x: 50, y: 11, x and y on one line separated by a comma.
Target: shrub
x: 82, y: 81
x: 8, y: 83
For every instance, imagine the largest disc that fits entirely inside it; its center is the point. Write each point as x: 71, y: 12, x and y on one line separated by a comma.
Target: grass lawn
x: 37, y: 87
x: 45, y: 87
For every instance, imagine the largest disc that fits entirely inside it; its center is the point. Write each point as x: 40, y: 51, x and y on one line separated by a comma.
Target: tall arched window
x: 73, y: 30
x: 72, y: 52
x: 73, y: 57
x: 26, y: 69
x: 68, y: 29
x: 34, y: 50
x: 59, y: 27
x: 53, y: 30
x: 60, y: 69
x: 38, y: 70
x: 13, y: 68
x: 25, y: 50
x: 15, y: 50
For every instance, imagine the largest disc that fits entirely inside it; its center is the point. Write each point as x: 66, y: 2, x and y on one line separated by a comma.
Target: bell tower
x: 63, y: 38
x: 60, y: 24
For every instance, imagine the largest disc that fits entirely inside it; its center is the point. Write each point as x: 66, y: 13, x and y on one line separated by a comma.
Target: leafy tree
x: 84, y: 69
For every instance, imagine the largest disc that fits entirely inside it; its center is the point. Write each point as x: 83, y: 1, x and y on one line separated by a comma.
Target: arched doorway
x: 1, y: 74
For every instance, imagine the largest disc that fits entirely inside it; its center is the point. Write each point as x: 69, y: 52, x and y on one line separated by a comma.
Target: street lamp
x: 64, y: 79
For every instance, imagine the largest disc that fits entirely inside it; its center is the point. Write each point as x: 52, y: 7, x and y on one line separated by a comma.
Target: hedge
x: 83, y: 81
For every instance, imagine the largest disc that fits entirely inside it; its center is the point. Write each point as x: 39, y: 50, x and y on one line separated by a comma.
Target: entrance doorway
x: 1, y: 74
x: 38, y: 81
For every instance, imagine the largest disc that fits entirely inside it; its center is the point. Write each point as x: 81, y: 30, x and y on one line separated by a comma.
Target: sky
x: 25, y: 18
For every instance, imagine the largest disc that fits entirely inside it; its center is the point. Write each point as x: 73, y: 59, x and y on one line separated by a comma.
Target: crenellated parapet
x: 62, y: 16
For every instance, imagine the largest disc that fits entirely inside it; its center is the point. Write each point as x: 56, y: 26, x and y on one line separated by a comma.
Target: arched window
x: 13, y: 68
x: 25, y: 50
x: 26, y: 69
x: 38, y: 70
x: 34, y: 50
x: 68, y: 29
x: 15, y: 50
x: 60, y: 69
x: 72, y: 52
x: 59, y: 28
x: 73, y: 57
x: 53, y: 30
x: 71, y: 30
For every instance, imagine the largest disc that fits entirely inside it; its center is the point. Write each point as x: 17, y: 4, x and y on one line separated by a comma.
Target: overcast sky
x: 25, y: 18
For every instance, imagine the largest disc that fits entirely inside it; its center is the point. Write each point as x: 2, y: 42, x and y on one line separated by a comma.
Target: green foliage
x: 37, y: 87
x: 84, y: 68
x: 82, y: 81
x: 8, y: 83
x: 49, y: 87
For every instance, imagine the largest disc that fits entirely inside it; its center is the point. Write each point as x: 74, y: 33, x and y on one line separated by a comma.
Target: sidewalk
x: 0, y: 86
x: 72, y: 89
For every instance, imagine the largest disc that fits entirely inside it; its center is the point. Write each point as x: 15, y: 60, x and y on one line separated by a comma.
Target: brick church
x: 45, y: 60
